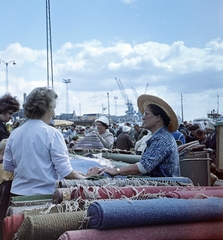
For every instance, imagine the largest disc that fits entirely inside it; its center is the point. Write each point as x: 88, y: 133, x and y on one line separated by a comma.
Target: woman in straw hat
x: 160, y: 158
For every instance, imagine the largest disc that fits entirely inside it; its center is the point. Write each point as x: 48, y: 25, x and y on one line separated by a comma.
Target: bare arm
x: 91, y: 171
x: 127, y: 170
x: 75, y: 175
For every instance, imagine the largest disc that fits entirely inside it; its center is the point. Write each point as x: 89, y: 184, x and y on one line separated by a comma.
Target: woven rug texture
x: 11, y: 225
x: 31, y: 200
x: 195, y: 194
x: 62, y: 194
x: 143, y: 192
x: 49, y: 226
x: 123, y: 182
x: 119, y: 213
x: 183, y: 231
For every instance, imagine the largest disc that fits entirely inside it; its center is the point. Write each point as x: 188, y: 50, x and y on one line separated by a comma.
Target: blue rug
x: 129, y: 213
x: 82, y: 165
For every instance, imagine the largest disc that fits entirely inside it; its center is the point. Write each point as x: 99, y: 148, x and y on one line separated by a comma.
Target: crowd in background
x: 133, y: 137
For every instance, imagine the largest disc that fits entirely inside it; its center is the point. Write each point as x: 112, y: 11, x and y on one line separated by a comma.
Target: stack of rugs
x: 119, y: 208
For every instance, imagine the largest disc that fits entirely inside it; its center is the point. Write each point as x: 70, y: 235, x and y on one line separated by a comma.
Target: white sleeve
x: 8, y: 164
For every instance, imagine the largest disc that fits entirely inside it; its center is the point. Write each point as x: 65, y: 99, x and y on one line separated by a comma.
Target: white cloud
x: 129, y: 1
x: 92, y: 67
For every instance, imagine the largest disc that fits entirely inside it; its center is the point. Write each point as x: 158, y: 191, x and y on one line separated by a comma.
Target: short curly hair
x: 38, y: 102
x: 8, y: 102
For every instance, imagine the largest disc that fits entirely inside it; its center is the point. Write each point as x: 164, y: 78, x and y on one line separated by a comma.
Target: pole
x: 6, y: 72
x: 217, y: 105
x: 6, y: 77
x: 116, y: 105
x: 49, y: 45
x: 108, y: 108
x: 182, y: 111
x: 80, y: 109
x: 67, y: 81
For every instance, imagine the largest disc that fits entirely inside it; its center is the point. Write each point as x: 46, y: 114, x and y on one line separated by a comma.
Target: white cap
x: 103, y: 119
x: 126, y: 129
x: 210, y: 125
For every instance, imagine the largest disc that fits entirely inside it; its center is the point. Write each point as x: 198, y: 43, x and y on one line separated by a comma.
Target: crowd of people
x: 133, y: 137
x: 123, y: 137
x: 206, y: 136
x: 35, y: 153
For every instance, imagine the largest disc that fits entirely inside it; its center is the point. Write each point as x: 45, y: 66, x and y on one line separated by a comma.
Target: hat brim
x: 144, y: 100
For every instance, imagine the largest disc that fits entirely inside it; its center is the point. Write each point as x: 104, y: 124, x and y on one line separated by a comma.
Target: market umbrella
x: 59, y: 122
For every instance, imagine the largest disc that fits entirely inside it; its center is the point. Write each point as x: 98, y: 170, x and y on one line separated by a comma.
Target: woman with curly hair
x: 36, y: 152
x: 8, y: 106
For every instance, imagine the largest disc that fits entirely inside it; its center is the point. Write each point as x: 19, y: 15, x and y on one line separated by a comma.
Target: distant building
x: 91, y: 116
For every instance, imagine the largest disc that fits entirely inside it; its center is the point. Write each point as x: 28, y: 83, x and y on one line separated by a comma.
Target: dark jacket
x: 211, y: 140
x: 3, y: 131
x: 124, y: 142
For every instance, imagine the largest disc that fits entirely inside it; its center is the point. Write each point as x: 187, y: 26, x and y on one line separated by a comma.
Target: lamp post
x: 67, y: 81
x: 182, y: 110
x: 115, y: 97
x: 108, y: 108
x: 6, y: 72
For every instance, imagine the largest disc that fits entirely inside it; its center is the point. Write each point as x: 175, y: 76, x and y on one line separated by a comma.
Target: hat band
x: 148, y: 102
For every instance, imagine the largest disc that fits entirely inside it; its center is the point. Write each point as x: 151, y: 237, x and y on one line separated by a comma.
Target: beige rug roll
x: 49, y: 226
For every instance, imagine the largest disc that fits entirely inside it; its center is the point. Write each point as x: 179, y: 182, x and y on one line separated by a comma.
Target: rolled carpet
x: 129, y: 213
x: 18, y: 210
x: 128, y: 181
x: 139, y: 192
x: 192, y: 231
x: 49, y: 226
x: 122, y: 157
x: 195, y: 194
x: 133, y: 192
x: 11, y: 225
x: 31, y: 200
x: 62, y: 194
x: 143, y: 192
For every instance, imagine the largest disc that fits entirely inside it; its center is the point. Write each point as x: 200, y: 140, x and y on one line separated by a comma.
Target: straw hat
x: 144, y: 100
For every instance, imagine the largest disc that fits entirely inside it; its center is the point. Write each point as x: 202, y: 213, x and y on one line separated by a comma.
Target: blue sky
x: 174, y: 46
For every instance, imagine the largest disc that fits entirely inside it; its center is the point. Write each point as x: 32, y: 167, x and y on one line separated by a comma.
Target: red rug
x: 144, y: 192
x: 195, y: 194
x: 192, y: 231
x: 11, y: 225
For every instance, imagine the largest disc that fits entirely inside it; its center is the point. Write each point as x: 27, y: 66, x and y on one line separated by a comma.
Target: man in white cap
x: 123, y: 141
x: 209, y: 127
x: 160, y: 158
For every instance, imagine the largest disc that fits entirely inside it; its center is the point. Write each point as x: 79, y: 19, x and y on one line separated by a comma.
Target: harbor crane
x: 146, y: 87
x: 130, y: 112
x: 136, y: 96
x: 135, y: 93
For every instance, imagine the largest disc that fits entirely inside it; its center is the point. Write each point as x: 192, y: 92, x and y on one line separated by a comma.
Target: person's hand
x: 95, y: 132
x: 94, y: 171
x: 111, y: 171
x: 82, y: 174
